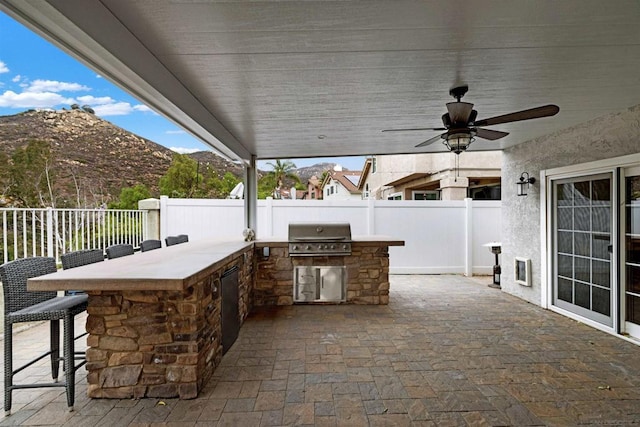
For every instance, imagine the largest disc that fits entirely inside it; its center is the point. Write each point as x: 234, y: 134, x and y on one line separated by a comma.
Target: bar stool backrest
x: 149, y: 245
x: 117, y: 251
x: 176, y: 240
x: 81, y: 257
x: 14, y: 275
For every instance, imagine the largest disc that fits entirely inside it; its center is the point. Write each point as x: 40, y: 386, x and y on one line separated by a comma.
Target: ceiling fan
x: 462, y: 127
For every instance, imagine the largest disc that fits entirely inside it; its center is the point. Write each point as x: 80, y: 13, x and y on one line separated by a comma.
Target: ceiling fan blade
x: 459, y: 112
x: 491, y: 135
x: 533, y: 113
x: 412, y: 129
x: 429, y: 141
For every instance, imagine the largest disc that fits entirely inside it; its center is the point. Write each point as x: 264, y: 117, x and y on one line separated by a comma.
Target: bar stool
x: 22, y: 306
x: 117, y: 251
x: 149, y: 245
x: 176, y: 240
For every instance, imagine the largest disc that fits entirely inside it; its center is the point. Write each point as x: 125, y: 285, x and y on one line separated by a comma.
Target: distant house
x: 341, y: 185
x: 432, y: 176
x: 314, y: 189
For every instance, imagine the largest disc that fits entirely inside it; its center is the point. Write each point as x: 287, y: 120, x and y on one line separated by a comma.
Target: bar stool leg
x: 69, y: 360
x: 54, y: 326
x: 8, y: 365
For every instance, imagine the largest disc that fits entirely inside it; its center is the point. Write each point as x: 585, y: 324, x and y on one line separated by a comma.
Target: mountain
x: 318, y: 169
x: 94, y: 158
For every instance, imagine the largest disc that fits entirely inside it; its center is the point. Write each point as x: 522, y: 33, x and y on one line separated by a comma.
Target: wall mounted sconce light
x: 523, y: 183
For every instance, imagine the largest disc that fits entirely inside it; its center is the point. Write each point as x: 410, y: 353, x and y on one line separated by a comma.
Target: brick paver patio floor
x: 447, y: 351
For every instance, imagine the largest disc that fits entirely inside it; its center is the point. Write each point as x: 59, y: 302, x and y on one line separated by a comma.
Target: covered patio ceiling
x: 294, y: 79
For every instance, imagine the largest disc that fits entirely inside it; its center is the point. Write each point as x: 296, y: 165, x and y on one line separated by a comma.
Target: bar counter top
x: 172, y: 268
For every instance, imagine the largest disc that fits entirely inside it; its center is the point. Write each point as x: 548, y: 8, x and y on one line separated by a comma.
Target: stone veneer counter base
x: 367, y: 270
x: 155, y: 317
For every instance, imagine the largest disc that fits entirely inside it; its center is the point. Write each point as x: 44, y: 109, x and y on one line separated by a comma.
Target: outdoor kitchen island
x: 156, y: 319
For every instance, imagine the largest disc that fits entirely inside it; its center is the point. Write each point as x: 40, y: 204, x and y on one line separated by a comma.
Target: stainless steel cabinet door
x: 305, y: 284
x: 332, y: 283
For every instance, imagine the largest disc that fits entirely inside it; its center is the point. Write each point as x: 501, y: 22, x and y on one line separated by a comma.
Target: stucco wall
x: 606, y: 137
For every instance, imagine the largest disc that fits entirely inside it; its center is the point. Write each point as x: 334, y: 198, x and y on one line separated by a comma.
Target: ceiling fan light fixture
x: 459, y: 141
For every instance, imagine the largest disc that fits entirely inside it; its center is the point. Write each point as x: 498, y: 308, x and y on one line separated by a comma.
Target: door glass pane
x: 583, y: 295
x: 601, y: 194
x: 582, y: 194
x: 601, y: 273
x: 582, y: 269
x: 565, y: 219
x: 600, y: 244
x: 633, y: 218
x: 633, y: 249
x: 601, y: 303
x: 565, y: 266
x: 601, y: 219
x: 633, y: 279
x: 633, y: 309
x: 565, y: 290
x: 565, y: 194
x: 565, y: 242
x: 582, y: 219
x: 583, y: 244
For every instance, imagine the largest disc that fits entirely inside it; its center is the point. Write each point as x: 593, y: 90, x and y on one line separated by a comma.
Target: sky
x: 34, y: 74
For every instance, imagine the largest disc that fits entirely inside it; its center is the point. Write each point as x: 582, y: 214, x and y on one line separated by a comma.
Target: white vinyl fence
x: 440, y: 236
x: 53, y: 232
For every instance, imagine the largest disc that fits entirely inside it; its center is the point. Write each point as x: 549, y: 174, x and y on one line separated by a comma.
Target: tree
x: 130, y: 196
x: 281, y: 170
x: 182, y: 179
x: 219, y: 188
x: 30, y: 176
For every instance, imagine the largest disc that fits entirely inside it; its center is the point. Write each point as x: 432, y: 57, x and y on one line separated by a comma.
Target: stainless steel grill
x: 319, y: 239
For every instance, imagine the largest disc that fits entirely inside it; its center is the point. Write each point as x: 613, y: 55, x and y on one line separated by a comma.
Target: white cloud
x: 184, y: 150
x: 55, y: 86
x: 98, y: 76
x: 3, y: 67
x: 113, y: 109
x: 92, y: 100
x: 143, y: 108
x: 16, y: 79
x: 11, y: 99
x: 175, y: 132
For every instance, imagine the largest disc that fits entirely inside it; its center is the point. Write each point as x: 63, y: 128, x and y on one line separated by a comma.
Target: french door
x: 582, y: 247
x: 630, y: 273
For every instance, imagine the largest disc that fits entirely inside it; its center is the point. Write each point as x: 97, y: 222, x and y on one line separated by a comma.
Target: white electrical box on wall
x: 522, y: 271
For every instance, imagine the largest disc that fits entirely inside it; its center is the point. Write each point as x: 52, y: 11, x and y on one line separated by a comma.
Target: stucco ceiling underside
x: 268, y: 78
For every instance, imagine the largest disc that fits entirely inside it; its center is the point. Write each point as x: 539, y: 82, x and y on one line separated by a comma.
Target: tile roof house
x: 314, y: 189
x: 341, y: 185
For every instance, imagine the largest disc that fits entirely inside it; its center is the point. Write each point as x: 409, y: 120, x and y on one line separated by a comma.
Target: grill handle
x: 315, y: 239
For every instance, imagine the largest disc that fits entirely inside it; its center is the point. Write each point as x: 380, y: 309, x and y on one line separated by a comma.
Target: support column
x: 152, y: 206
x: 251, y: 195
x: 468, y: 238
